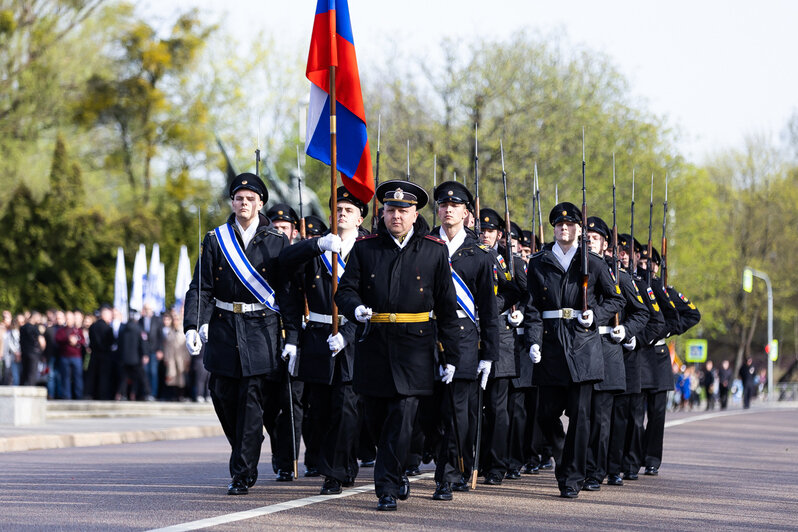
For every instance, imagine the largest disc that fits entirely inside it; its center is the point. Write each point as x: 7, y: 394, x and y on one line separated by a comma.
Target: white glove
x: 515, y: 318
x: 362, y: 313
x: 329, y: 242
x: 193, y: 343
x: 534, y: 353
x: 336, y: 343
x: 289, y: 354
x: 585, y: 318
x: 618, y: 334
x: 631, y: 344
x: 447, y: 373
x: 484, y: 368
x: 203, y: 332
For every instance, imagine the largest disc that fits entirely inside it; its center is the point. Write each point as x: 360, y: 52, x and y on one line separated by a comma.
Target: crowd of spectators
x: 101, y: 356
x: 696, y: 386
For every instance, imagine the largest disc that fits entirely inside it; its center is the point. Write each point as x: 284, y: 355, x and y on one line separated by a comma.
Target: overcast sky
x: 718, y: 70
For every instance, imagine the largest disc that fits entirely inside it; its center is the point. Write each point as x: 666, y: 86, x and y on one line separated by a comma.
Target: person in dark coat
x: 747, y: 375
x: 237, y: 298
x: 628, y: 409
x: 392, y: 282
x: 680, y: 315
x: 132, y: 348
x: 725, y: 378
x: 152, y: 326
x: 325, y: 360
x: 564, y: 339
x: 509, y: 289
x: 31, y: 346
x: 630, y: 322
x: 472, y: 267
x: 100, y: 374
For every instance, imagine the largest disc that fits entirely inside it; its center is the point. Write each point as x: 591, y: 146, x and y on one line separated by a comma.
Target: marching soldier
x: 393, y: 280
x: 493, y: 459
x: 325, y: 364
x: 239, y: 293
x: 564, y: 340
x: 628, y: 409
x: 472, y: 275
x: 686, y: 316
x: 314, y: 226
x: 631, y: 320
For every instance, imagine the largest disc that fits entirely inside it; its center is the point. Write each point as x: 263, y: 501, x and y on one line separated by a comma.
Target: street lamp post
x: 748, y: 275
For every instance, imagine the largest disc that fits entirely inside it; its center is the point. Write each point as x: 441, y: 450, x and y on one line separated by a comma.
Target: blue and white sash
x: 254, y: 282
x: 464, y: 297
x: 326, y: 258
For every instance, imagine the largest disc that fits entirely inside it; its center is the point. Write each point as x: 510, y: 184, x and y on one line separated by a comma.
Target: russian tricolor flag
x: 332, y: 44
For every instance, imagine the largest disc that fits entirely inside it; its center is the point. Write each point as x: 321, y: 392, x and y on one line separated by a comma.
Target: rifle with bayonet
x: 615, y: 236
x: 540, y: 209
x: 374, y: 216
x: 664, y: 249
x: 477, y: 223
x: 508, y: 238
x: 585, y: 270
x: 633, y: 254
x: 650, y: 246
x: 434, y: 186
x: 534, y: 211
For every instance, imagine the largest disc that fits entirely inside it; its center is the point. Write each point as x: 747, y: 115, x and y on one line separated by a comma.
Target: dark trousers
x: 366, y: 448
x: 333, y: 413
x: 239, y: 406
x: 519, y: 437
x: 30, y: 370
x: 456, y: 407
x: 656, y: 405
x: 390, y: 423
x: 277, y: 421
x: 427, y: 428
x: 131, y: 379
x: 600, y: 424
x: 570, y: 453
x: 99, y: 378
x: 496, y: 427
x: 748, y: 393
x: 626, y: 436
x: 71, y: 372
x: 723, y: 392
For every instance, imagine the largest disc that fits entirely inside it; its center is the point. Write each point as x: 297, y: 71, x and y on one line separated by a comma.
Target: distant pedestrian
x: 725, y: 379
x: 708, y: 384
x: 747, y: 373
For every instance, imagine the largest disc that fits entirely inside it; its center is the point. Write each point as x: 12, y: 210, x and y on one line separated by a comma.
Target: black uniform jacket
x: 474, y: 264
x: 315, y: 361
x: 522, y: 360
x: 569, y: 352
x: 509, y: 294
x: 399, y: 358
x: 656, y: 372
x: 131, y: 343
x: 689, y: 316
x: 633, y: 317
x: 244, y: 344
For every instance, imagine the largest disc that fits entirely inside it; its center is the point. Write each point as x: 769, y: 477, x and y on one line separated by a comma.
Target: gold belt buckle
x: 392, y: 317
x: 568, y: 313
x: 238, y: 308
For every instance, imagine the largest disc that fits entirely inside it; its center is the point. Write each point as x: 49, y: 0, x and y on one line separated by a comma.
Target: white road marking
x: 703, y: 417
x: 273, y: 508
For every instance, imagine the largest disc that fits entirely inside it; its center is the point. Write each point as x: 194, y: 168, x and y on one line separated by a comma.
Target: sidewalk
x: 89, y: 423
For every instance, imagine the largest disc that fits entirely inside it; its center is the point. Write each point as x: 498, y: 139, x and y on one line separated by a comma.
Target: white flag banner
x: 139, y: 279
x: 120, y: 284
x: 153, y: 288
x: 183, y: 277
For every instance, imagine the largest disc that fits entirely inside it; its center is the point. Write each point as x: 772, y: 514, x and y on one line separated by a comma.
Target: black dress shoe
x: 546, y: 465
x: 630, y: 475
x: 284, y: 476
x: 251, y: 479
x: 387, y: 503
x: 404, y: 488
x: 591, y: 484
x: 237, y: 487
x: 312, y: 472
x: 614, y: 480
x: 330, y: 487
x: 348, y: 482
x: 443, y: 492
x: 651, y: 470
x: 412, y: 471
x: 427, y: 457
x: 530, y: 469
x: 569, y: 493
x: 493, y: 479
x: 461, y: 485
x: 367, y: 463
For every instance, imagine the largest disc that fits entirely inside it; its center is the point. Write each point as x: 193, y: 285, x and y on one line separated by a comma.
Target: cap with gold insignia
x: 452, y: 192
x: 314, y: 226
x: 250, y: 182
x: 490, y: 219
x: 526, y: 239
x: 284, y: 212
x: 515, y: 230
x: 655, y: 256
x: 400, y: 193
x: 597, y: 225
x: 344, y: 196
x: 565, y: 212
x: 625, y: 243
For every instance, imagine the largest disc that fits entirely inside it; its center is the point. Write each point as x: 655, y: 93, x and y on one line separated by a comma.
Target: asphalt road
x: 730, y: 472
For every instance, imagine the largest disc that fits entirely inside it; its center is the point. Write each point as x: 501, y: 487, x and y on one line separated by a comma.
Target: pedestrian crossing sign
x: 696, y: 351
